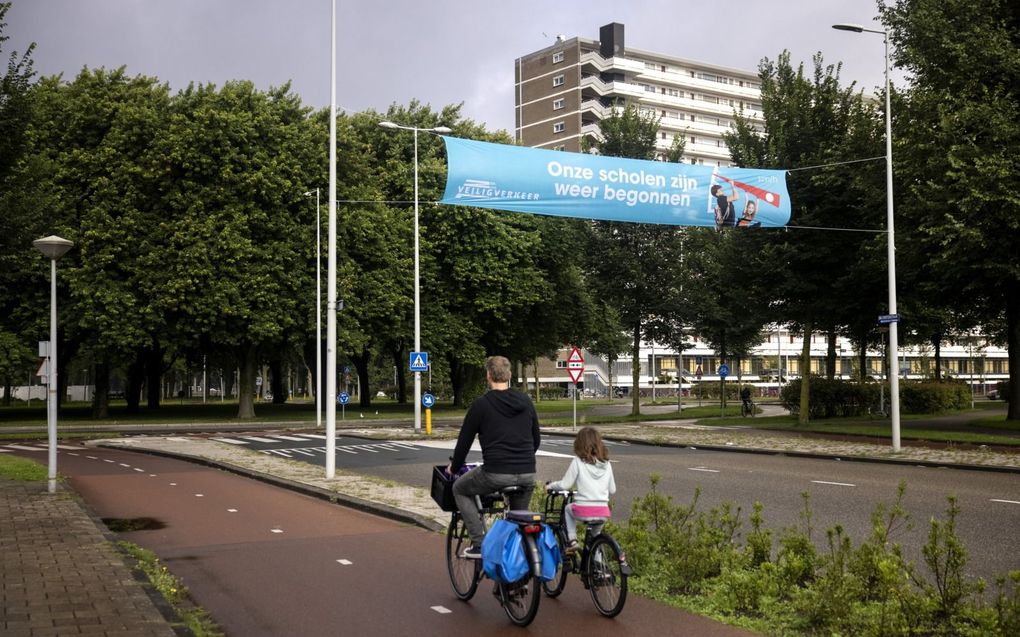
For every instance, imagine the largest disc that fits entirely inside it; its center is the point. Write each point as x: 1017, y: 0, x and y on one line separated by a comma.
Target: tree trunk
x: 805, y: 377
x: 361, y: 362
x: 134, y: 382
x: 398, y: 360
x: 1013, y: 347
x: 279, y: 382
x: 936, y: 340
x: 635, y: 374
x: 538, y: 388
x: 101, y: 397
x: 246, y: 387
x: 830, y: 355
x: 154, y: 374
x: 7, y: 390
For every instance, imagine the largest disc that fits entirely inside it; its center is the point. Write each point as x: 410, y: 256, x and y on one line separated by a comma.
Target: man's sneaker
x: 472, y: 552
x: 571, y: 547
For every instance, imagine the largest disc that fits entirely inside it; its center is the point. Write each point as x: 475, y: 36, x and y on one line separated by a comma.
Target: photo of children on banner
x: 747, y: 218
x: 725, y: 215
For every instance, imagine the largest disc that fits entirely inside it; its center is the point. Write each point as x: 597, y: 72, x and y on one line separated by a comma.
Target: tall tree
x: 636, y: 267
x: 963, y: 60
x: 807, y: 119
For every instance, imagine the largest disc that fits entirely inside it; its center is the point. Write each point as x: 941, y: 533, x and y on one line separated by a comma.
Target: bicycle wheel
x: 606, y: 577
x: 463, y: 571
x: 555, y: 586
x: 520, y: 599
x: 744, y: 411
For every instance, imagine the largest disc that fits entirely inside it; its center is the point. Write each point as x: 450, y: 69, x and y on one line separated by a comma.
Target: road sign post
x: 343, y: 399
x: 724, y: 371
x: 427, y: 400
x: 575, y: 367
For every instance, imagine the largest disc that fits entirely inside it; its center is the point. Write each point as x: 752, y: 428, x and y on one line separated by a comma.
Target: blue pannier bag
x: 503, y: 553
x: 549, y: 550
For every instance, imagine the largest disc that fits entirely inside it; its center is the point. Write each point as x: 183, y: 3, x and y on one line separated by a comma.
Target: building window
x: 557, y: 104
x: 649, y: 88
x: 561, y: 364
x: 560, y: 147
x: 557, y: 57
x: 558, y: 80
x: 559, y: 127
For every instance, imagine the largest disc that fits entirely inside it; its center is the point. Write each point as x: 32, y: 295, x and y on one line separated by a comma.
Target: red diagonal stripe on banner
x: 761, y: 193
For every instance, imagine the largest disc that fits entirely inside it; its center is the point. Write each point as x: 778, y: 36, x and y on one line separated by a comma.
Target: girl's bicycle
x: 601, y: 563
x: 518, y: 599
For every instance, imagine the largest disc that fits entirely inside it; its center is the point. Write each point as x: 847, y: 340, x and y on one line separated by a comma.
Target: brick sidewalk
x: 60, y: 575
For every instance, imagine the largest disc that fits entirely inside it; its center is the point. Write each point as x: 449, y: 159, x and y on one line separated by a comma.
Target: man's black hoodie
x: 507, y: 428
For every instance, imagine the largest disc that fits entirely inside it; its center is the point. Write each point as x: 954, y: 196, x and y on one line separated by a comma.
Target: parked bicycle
x: 519, y: 599
x: 600, y: 563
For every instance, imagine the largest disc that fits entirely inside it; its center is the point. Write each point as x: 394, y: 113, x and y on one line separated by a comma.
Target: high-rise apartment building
x: 564, y: 90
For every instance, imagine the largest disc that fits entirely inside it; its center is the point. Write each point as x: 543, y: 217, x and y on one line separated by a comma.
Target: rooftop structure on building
x: 563, y: 91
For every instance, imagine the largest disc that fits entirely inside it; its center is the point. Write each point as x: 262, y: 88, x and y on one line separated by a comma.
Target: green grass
x: 912, y: 427
x: 174, y: 591
x: 13, y: 468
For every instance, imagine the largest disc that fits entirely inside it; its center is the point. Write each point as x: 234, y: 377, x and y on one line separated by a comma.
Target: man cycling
x: 506, y: 424
x: 745, y: 396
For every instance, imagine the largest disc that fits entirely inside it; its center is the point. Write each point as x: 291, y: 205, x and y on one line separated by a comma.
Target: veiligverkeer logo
x: 485, y: 189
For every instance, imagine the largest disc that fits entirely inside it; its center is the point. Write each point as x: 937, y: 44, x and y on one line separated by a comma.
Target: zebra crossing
x: 311, y: 450
x: 12, y: 447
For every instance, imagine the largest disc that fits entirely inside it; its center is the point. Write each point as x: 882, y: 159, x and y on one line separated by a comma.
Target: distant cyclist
x: 745, y: 396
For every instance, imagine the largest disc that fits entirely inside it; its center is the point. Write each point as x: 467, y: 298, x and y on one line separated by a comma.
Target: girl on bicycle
x: 591, y: 475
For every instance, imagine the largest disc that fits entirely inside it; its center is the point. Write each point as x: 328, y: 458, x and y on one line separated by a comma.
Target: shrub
x: 933, y: 398
x: 832, y: 398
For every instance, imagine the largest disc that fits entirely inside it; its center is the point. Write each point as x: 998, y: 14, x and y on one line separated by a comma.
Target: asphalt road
x: 841, y: 493
x: 268, y: 561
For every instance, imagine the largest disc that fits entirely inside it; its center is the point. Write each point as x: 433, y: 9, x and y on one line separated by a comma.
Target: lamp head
x: 856, y: 28
x: 442, y: 130
x: 53, y: 247
x: 388, y: 125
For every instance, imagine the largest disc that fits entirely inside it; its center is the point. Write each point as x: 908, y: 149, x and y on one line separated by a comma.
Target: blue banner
x: 549, y: 182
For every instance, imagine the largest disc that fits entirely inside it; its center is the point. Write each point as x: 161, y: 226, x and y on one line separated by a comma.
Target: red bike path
x: 268, y: 561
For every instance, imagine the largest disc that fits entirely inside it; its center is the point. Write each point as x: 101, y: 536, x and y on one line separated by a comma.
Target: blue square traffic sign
x: 419, y: 361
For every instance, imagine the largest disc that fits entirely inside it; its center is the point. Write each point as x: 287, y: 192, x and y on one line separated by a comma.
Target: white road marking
x: 1004, y: 501
x: 152, y: 475
x: 345, y: 562
x: 69, y: 447
x: 257, y: 439
x: 302, y: 451
x: 230, y: 441
x: 279, y: 452
x: 231, y: 510
x: 365, y: 447
x: 179, y: 439
x: 125, y: 465
x: 108, y: 460
x: 403, y: 445
x: 92, y: 457
x: 139, y: 470
x: 199, y: 495
x: 173, y: 484
x: 313, y: 436
x: 73, y: 454
x: 282, y: 437
x: 442, y: 610
x: 277, y: 530
x: 706, y: 470
x: 346, y: 450
x: 836, y: 484
x: 24, y: 448
x: 6, y: 451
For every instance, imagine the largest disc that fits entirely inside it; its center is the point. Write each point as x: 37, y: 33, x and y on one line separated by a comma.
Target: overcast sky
x: 438, y: 51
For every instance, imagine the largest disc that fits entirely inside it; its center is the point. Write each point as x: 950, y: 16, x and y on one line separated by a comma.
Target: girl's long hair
x: 588, y: 446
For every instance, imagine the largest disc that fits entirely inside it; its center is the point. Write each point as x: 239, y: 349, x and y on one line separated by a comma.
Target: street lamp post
x: 894, y: 381
x: 442, y: 130
x: 53, y: 247
x: 318, y: 312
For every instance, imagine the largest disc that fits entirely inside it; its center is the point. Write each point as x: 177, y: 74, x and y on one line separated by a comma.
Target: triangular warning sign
x: 418, y: 362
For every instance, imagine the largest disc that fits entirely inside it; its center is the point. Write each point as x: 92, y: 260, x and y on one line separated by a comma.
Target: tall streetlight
x: 440, y: 130
x: 318, y: 312
x: 894, y: 380
x: 53, y: 247
x: 331, y: 262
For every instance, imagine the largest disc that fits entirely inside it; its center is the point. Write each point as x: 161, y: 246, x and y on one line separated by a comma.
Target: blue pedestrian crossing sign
x: 343, y: 398
x: 427, y: 400
x: 419, y: 361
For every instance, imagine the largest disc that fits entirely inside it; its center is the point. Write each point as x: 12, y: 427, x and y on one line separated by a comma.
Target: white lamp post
x: 318, y: 312
x: 53, y: 247
x: 894, y: 380
x: 441, y: 130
